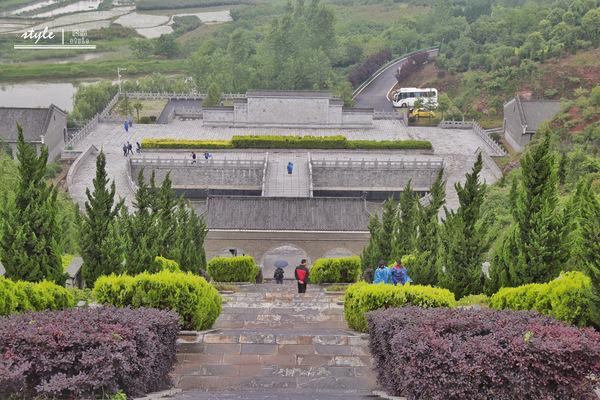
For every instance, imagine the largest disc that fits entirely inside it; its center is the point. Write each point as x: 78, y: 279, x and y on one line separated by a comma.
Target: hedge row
x: 16, y: 297
x: 567, y: 298
x: 286, y: 142
x: 86, y: 353
x: 336, y: 270
x: 196, y: 301
x: 363, y: 297
x: 456, y: 354
x: 233, y: 269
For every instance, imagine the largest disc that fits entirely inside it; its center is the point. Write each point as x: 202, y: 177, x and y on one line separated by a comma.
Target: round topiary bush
x: 336, y: 270
x: 233, y: 269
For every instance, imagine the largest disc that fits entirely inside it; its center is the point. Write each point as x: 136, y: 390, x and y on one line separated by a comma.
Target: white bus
x: 406, y: 97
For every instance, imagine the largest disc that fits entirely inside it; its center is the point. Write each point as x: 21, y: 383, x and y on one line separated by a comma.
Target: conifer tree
x: 190, y: 232
x: 371, y: 254
x: 464, y: 241
x: 424, y: 271
x: 405, y: 224
x: 386, y: 232
x: 536, y: 247
x: 29, y: 246
x: 141, y: 238
x: 164, y: 215
x: 101, y: 246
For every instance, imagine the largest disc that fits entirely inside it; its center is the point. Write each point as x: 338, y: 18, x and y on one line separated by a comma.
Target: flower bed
x: 287, y: 142
x: 336, y: 270
x: 452, y: 354
x: 196, y: 301
x: 86, y: 353
x: 363, y: 297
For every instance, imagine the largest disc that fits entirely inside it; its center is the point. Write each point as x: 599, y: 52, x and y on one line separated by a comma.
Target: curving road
x: 374, y: 95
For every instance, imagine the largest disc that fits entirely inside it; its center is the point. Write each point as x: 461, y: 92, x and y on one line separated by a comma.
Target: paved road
x: 375, y: 94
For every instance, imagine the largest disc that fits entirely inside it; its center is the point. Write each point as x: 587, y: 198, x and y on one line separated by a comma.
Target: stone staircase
x: 269, y: 338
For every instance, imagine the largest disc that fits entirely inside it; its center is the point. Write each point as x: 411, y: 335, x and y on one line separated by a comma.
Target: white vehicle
x: 406, y: 97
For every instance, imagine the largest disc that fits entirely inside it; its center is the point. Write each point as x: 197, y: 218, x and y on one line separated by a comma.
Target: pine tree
x: 424, y: 271
x: 101, y: 246
x: 29, y: 247
x: 536, y: 248
x: 164, y: 215
x: 386, y: 233
x: 190, y: 232
x: 141, y: 238
x: 405, y: 224
x: 465, y: 240
x: 371, y: 254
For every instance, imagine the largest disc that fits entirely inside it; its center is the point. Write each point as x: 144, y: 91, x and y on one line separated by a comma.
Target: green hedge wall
x: 196, y: 301
x: 286, y: 142
x: 363, y: 297
x: 233, y: 269
x: 336, y: 270
x: 567, y: 298
x: 16, y: 297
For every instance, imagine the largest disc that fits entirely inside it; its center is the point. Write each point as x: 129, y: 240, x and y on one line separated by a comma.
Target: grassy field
x: 12, y: 4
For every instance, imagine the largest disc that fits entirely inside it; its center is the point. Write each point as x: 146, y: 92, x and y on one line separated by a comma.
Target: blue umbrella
x: 281, y: 264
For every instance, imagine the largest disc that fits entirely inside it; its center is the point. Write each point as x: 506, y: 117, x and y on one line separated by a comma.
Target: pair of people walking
x: 301, y: 274
x: 128, y: 148
x: 398, y: 274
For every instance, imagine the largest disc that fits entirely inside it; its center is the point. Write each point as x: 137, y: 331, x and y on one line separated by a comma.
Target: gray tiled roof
x: 33, y: 120
x: 538, y: 111
x: 287, y: 213
x: 288, y: 93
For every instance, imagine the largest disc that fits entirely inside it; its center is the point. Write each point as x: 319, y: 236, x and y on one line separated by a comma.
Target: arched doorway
x: 288, y: 252
x: 232, y: 251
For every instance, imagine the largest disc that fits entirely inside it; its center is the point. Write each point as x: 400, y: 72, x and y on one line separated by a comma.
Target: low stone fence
x: 200, y: 162
x: 489, y: 163
x: 379, y: 164
x: 90, y: 151
x: 498, y: 150
x: 264, y: 177
x: 83, y: 132
x: 456, y: 124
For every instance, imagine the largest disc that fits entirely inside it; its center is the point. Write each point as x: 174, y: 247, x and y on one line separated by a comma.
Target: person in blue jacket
x: 399, y: 274
x: 382, y: 273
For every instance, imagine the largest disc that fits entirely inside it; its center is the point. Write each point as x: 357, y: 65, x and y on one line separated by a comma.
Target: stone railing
x: 498, y: 150
x: 379, y: 164
x: 130, y: 181
x: 310, y: 176
x: 75, y: 166
x: 456, y: 124
x: 387, y: 115
x: 264, y: 175
x: 83, y: 132
x: 187, y: 162
x: 489, y: 163
x: 164, y: 95
x: 188, y: 112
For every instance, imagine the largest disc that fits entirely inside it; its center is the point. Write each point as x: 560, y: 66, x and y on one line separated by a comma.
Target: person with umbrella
x: 278, y: 275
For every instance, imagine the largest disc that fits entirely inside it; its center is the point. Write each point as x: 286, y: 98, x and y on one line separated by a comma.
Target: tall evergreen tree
x: 536, y: 247
x: 29, y: 241
x: 424, y: 271
x: 405, y: 224
x: 190, y: 232
x: 386, y: 232
x: 371, y: 254
x: 464, y: 241
x: 101, y: 246
x: 164, y: 215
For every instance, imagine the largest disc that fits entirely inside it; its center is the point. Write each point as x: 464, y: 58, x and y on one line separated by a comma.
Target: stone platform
x: 269, y: 338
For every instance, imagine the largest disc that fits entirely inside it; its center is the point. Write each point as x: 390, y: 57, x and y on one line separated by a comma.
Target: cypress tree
x: 464, y: 240
x: 164, y: 215
x: 386, y: 231
x: 371, y: 254
x: 424, y: 271
x: 190, y: 232
x: 536, y: 248
x: 405, y: 224
x: 29, y: 246
x: 141, y: 238
x: 101, y: 246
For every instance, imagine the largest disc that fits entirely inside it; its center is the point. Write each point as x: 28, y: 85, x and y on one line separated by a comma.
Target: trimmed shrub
x: 28, y: 296
x: 197, y: 302
x: 452, y: 354
x: 233, y: 269
x: 185, y: 144
x: 567, y: 298
x: 336, y: 270
x: 474, y: 300
x: 363, y: 297
x: 286, y: 142
x: 165, y: 264
x: 86, y: 353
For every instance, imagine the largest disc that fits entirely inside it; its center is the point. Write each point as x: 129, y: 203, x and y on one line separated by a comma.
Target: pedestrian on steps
x: 290, y: 168
x: 193, y: 158
x: 278, y: 275
x: 125, y: 150
x: 129, y: 148
x: 301, y: 274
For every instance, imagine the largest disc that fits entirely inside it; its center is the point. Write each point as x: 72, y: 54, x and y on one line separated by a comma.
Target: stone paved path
x: 279, y: 183
x: 271, y: 342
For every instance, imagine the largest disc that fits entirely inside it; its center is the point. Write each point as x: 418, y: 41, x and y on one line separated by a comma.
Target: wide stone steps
x: 270, y: 338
